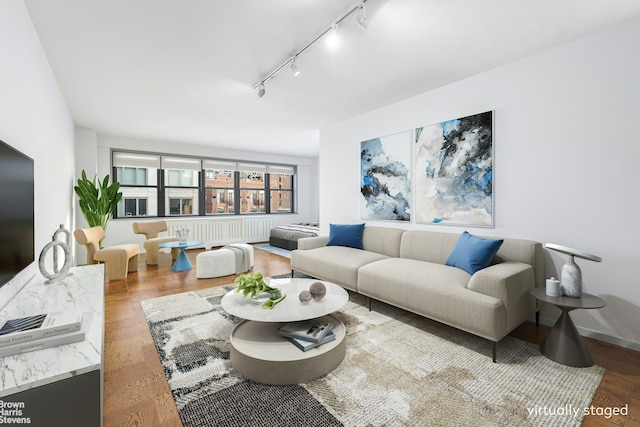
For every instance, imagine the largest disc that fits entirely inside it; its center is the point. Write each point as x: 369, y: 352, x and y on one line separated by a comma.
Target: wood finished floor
x: 136, y: 393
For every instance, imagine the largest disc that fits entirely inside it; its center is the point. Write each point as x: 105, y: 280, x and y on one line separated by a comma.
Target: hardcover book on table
x: 29, y: 328
x: 308, y: 330
x: 305, y: 345
x: 50, y: 340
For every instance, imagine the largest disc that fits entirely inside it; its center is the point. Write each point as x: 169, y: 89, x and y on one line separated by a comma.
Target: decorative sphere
x: 305, y: 297
x: 318, y: 290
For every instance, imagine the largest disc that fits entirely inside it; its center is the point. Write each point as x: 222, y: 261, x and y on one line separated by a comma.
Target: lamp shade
x: 571, y: 275
x: 574, y: 252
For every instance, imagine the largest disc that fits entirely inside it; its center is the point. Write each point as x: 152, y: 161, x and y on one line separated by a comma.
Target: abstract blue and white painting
x: 454, y: 172
x: 385, y: 183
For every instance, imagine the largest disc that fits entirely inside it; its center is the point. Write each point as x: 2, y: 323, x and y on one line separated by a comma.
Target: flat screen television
x: 16, y: 212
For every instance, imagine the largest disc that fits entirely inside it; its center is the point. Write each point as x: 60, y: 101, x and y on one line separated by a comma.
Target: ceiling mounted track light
x: 294, y: 68
x: 361, y: 21
x: 361, y: 16
x: 332, y: 37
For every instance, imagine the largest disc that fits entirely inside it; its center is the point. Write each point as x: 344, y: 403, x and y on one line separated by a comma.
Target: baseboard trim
x: 621, y: 342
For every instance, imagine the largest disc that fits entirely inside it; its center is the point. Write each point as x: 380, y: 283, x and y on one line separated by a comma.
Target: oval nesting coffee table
x: 260, y: 354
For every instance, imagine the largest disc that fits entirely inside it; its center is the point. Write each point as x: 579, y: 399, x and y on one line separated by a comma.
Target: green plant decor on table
x: 98, y: 199
x: 253, y: 285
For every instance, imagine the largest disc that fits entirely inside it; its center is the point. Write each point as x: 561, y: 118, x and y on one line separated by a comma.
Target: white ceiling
x: 184, y: 70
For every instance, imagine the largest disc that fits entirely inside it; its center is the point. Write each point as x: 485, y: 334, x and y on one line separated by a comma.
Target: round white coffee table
x: 260, y: 354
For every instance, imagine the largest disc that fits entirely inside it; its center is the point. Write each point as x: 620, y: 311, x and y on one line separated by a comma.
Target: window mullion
x: 236, y: 192
x: 202, y: 190
x: 267, y: 193
x: 161, y: 193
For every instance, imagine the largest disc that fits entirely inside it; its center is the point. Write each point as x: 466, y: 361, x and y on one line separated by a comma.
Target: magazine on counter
x: 29, y: 328
x: 49, y: 341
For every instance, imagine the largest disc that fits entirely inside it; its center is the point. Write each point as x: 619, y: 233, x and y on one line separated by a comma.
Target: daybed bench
x: 407, y: 269
x: 287, y: 236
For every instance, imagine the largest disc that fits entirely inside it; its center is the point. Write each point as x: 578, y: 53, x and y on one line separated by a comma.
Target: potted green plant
x: 98, y: 199
x: 253, y: 285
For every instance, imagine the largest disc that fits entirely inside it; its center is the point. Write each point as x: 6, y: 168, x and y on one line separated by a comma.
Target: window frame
x: 247, y: 189
x: 140, y: 161
x: 137, y: 202
x: 199, y: 203
x: 228, y: 167
x: 281, y: 171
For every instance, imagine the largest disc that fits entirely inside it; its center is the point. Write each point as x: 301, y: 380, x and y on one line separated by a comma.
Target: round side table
x: 563, y: 343
x: 182, y: 263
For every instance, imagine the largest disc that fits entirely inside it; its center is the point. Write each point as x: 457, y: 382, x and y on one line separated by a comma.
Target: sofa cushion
x: 349, y: 235
x: 430, y: 246
x: 337, y: 264
x: 383, y: 240
x: 472, y: 253
x: 436, y: 291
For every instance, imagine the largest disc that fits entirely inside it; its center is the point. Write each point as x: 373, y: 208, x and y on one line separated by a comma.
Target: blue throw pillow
x: 473, y: 253
x: 346, y: 235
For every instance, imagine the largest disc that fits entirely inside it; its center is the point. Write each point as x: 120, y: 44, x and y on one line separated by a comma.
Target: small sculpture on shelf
x: 183, y: 235
x: 316, y: 292
x: 58, y: 272
x: 305, y: 296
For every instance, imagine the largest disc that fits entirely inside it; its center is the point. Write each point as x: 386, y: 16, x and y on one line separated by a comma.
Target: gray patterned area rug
x: 400, y: 369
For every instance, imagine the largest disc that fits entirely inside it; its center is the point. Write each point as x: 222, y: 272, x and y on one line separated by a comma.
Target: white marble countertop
x: 82, y: 290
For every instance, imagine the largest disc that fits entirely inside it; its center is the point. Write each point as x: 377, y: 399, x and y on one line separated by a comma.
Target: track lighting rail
x: 260, y: 84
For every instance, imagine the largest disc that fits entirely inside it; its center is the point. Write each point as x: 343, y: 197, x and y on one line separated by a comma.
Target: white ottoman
x: 248, y: 250
x: 218, y: 263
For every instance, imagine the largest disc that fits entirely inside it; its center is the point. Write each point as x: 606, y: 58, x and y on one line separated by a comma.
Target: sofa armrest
x: 510, y: 282
x: 312, y: 242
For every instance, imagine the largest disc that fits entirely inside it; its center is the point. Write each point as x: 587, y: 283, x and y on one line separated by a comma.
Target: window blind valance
x: 182, y: 163
x: 252, y: 167
x: 135, y: 160
x: 282, y: 170
x: 219, y: 165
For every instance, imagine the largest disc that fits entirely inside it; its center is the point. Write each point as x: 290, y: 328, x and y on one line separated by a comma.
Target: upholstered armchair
x: 152, y: 242
x: 119, y: 259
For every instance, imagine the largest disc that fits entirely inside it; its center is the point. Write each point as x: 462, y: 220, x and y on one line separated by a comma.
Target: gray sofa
x: 406, y: 268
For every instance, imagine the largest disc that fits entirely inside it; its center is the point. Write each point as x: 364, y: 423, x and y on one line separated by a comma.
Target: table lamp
x: 571, y: 276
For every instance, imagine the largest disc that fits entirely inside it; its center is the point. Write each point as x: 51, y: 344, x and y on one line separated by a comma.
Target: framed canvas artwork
x: 454, y: 172
x: 385, y: 183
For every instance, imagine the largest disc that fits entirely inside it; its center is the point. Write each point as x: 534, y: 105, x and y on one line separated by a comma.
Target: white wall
x: 86, y: 158
x: 120, y: 230
x: 566, y: 162
x: 35, y: 120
